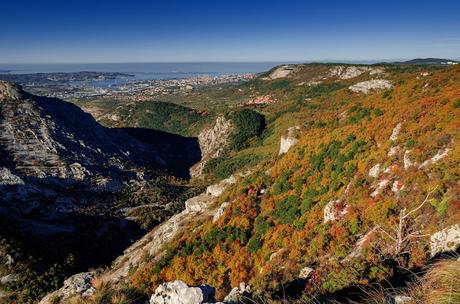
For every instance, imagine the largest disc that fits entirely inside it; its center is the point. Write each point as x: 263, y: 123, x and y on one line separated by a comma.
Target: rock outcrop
x: 445, y: 240
x: 349, y: 72
x: 334, y: 210
x: 238, y: 294
x: 11, y: 91
x: 177, y: 292
x: 220, y: 211
x: 281, y: 72
x: 368, y: 86
x: 305, y: 273
x: 219, y: 188
x: 213, y: 142
x: 47, y: 143
x: 78, y: 284
x: 289, y: 140
x: 400, y: 299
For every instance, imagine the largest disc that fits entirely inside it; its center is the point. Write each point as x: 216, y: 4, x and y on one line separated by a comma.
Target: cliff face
x: 212, y: 142
x: 48, y: 145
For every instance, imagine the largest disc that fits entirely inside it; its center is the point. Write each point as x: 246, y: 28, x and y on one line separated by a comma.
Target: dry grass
x: 441, y: 284
x: 98, y: 283
x: 119, y: 298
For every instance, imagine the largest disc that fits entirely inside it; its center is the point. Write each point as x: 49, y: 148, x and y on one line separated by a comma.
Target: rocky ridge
x: 48, y: 145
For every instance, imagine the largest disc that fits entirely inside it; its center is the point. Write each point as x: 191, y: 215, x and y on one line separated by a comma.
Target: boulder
x: 79, y: 283
x: 407, y: 161
x: 178, y: 292
x: 445, y: 240
x: 399, y: 299
x: 238, y: 294
x: 305, y: 273
x: 350, y: 72
x: 379, y: 187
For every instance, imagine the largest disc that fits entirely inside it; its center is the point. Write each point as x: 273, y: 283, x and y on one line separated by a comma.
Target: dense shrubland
x: 275, y: 225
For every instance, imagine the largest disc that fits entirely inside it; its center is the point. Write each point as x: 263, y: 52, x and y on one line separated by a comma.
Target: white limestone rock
x: 399, y: 299
x: 381, y: 185
x: 238, y: 294
x: 10, y: 278
x: 350, y: 72
x: 198, y: 203
x: 445, y: 240
x: 393, y: 151
x: 281, y: 72
x: 368, y: 86
x: 79, y: 283
x: 395, y: 132
x: 178, y: 292
x: 289, y: 140
x: 219, y: 188
x: 375, y: 171
x: 440, y: 155
x: 10, y: 90
x: 407, y: 161
x: 305, y: 273
x: 397, y: 186
x: 220, y: 211
x: 334, y: 210
x: 213, y: 142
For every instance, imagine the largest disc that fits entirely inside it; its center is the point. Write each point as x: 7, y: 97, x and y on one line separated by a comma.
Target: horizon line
x: 233, y: 61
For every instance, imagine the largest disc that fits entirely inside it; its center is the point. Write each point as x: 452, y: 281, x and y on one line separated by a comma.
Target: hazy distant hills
x: 427, y: 61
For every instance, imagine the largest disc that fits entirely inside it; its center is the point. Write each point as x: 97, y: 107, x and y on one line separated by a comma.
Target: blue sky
x: 45, y: 31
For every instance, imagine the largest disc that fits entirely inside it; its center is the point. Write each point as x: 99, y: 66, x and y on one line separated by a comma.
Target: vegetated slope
x: 161, y: 116
x: 331, y: 203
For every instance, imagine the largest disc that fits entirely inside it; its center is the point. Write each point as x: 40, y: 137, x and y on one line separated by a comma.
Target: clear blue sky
x: 45, y: 31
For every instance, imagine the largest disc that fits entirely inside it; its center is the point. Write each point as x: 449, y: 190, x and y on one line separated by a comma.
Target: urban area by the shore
x: 137, y: 90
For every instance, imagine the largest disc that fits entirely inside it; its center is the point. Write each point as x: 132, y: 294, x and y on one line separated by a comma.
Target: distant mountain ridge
x: 428, y: 61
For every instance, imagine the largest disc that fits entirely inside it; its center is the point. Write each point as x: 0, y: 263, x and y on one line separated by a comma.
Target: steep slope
x: 372, y: 175
x: 64, y: 180
x: 54, y: 143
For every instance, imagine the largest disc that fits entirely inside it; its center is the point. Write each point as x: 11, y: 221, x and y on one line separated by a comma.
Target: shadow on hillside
x: 179, y: 152
x: 90, y: 242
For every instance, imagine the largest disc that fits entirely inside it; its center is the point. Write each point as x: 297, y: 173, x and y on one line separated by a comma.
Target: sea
x: 147, y: 71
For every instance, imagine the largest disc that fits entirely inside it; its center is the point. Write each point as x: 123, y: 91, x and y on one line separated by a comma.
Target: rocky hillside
x: 47, y: 143
x: 337, y: 181
x: 364, y: 190
x: 70, y: 182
